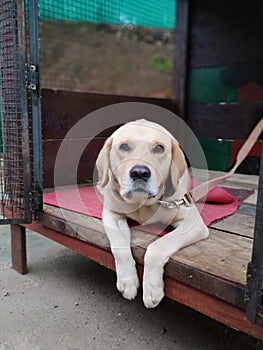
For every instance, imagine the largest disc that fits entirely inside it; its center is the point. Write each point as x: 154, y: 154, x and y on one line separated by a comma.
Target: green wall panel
x: 206, y: 86
x: 217, y: 153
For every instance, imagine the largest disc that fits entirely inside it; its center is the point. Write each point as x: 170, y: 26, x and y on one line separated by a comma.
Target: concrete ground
x: 67, y: 302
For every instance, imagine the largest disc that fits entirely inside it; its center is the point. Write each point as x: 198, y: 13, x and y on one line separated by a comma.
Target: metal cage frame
x: 20, y: 104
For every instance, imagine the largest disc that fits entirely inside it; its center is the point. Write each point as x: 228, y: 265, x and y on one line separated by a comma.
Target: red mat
x: 86, y: 200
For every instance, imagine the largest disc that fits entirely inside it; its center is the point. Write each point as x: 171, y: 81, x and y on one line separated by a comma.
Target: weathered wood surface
x: 245, y: 115
x: 248, y: 182
x: 239, y: 224
x: 223, y: 255
x: 216, y: 266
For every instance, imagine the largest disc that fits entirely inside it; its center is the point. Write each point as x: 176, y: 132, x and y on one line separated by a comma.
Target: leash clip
x: 176, y: 204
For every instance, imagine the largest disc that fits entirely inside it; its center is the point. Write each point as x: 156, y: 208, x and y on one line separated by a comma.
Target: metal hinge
x: 35, y: 200
x: 32, y: 77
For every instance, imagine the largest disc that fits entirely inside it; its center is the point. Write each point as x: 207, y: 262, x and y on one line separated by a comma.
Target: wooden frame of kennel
x: 219, y: 297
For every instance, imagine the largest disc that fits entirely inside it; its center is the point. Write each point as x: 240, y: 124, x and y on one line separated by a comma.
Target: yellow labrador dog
x: 142, y: 174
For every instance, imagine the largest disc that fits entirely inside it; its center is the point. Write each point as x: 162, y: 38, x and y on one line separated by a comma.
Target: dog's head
x: 141, y: 158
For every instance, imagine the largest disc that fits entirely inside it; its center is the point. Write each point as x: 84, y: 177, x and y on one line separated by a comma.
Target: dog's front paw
x: 153, y: 285
x: 152, y: 292
x: 128, y: 286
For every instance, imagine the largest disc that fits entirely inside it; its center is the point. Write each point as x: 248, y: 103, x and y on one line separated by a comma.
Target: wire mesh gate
x: 18, y: 115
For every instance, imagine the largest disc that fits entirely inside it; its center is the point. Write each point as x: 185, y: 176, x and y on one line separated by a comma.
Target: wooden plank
x: 221, y: 11
x: 221, y: 46
x: 252, y: 200
x: 223, y: 255
x: 61, y: 110
x: 212, y: 307
x: 212, y: 265
x: 209, y: 119
x: 241, y: 181
x: 225, y: 32
x: 86, y: 149
x: 240, y: 224
x: 181, y: 59
x: 217, y: 265
x: 85, y: 228
x: 191, y: 297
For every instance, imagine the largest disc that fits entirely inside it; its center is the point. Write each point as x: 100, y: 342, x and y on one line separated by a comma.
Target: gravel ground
x: 68, y: 302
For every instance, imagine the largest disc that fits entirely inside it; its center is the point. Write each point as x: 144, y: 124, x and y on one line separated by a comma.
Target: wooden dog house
x: 220, y: 277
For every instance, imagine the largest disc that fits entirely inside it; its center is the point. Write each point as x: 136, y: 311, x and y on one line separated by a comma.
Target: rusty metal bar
x: 36, y: 107
x: 255, y: 267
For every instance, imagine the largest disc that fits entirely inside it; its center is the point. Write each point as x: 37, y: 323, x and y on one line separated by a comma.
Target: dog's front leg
x: 187, y: 232
x: 119, y: 235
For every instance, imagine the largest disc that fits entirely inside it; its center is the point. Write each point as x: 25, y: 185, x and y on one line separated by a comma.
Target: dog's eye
x: 124, y: 147
x: 158, y: 149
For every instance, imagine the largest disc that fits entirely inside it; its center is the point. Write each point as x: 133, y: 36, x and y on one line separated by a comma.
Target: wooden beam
x: 222, y: 120
x: 18, y: 244
x: 211, y: 307
x: 225, y: 33
x: 181, y: 60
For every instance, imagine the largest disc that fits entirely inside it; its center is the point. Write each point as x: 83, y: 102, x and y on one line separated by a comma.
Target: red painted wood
x: 101, y: 256
x: 211, y: 307
x: 237, y: 144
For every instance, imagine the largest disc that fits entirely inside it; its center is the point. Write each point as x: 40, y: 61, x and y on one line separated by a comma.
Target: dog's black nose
x: 140, y: 172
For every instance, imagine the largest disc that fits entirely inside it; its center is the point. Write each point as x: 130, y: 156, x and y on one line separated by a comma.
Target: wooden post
x: 18, y: 244
x: 181, y: 60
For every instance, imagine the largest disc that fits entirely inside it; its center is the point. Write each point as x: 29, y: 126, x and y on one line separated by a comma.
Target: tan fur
x: 121, y: 201
x: 103, y: 162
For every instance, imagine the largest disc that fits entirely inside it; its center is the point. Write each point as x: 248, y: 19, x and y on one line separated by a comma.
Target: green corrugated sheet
x: 148, y: 13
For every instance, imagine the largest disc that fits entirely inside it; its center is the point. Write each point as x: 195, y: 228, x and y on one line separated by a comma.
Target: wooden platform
x: 209, y: 276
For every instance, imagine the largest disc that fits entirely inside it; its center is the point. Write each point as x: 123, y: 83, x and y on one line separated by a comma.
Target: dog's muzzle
x: 140, y: 176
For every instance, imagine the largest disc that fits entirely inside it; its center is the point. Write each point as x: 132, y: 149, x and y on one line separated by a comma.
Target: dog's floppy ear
x: 178, y: 163
x: 103, y: 163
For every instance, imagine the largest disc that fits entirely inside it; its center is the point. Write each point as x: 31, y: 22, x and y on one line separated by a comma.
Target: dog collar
x: 177, y: 203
